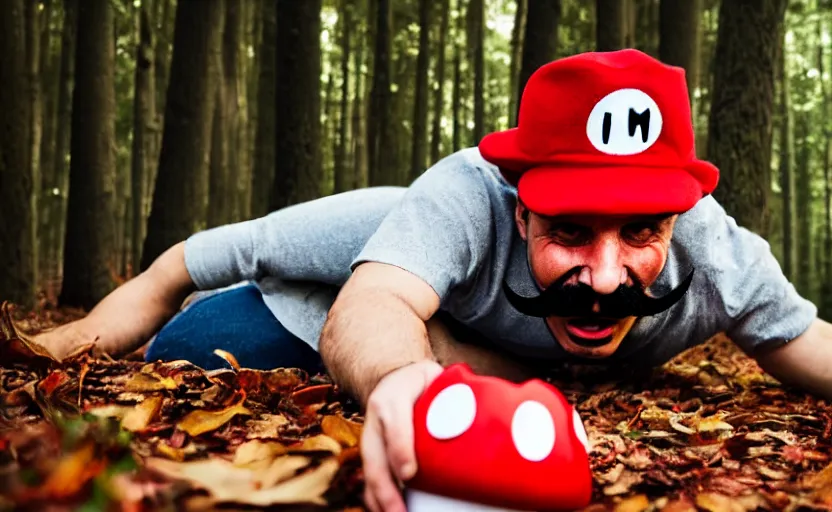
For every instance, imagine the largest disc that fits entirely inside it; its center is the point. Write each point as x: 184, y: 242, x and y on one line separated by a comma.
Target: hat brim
x: 608, y: 190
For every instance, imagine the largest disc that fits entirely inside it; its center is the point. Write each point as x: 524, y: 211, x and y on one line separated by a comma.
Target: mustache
x: 579, y: 299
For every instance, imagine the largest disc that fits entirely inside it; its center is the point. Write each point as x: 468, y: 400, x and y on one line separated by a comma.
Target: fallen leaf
x: 713, y: 502
x: 142, y: 414
x: 342, y: 430
x: 144, y: 382
x: 255, y: 451
x: 201, y: 421
x: 228, y: 358
x: 317, y: 443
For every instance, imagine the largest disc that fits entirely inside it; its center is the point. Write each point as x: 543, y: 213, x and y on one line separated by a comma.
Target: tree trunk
x: 739, y: 134
x: 34, y: 20
x: 439, y: 90
x: 262, y: 181
x: 180, y: 198
x: 90, y: 232
x: 540, y: 41
x: 457, y: 92
x: 144, y: 115
x: 679, y: 37
x: 16, y: 272
x: 517, y: 33
x: 611, y: 21
x: 476, y: 10
x: 378, y: 132
x: 298, y: 169
x: 344, y: 172
x: 803, y: 191
x: 359, y: 113
x: 58, y: 202
x: 50, y: 85
x: 418, y: 151
x: 787, y: 179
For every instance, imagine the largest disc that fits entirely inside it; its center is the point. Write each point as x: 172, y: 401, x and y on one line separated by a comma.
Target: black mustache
x: 578, y: 300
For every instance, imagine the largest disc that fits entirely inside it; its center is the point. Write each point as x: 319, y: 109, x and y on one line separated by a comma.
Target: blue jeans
x: 237, y: 321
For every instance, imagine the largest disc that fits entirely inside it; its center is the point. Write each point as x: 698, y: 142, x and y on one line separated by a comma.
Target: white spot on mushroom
x: 451, y: 412
x: 533, y: 431
x: 578, y: 424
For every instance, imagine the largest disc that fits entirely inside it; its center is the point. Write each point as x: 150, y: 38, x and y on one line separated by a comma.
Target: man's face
x: 605, y: 252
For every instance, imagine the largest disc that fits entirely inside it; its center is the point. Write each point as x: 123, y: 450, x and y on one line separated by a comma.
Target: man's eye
x: 640, y: 232
x: 570, y: 233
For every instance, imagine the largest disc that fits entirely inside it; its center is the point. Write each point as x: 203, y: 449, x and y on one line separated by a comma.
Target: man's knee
x: 482, y: 359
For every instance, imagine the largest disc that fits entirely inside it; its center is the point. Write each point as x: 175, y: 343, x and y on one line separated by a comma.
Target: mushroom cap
x: 488, y: 440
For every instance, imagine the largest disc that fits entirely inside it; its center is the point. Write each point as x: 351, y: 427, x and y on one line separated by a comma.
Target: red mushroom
x: 486, y: 444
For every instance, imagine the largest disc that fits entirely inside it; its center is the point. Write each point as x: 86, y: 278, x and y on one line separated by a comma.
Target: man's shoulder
x: 464, y: 167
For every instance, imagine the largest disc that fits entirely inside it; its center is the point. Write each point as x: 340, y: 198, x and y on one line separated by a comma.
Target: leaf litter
x: 707, y: 431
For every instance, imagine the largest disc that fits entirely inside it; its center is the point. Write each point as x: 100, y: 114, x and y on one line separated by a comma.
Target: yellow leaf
x: 317, y: 443
x: 254, y: 451
x: 281, y: 469
x: 713, y: 502
x: 138, y: 418
x: 144, y: 382
x: 228, y: 357
x: 177, y: 454
x: 635, y: 503
x: 199, y: 421
x: 342, y: 430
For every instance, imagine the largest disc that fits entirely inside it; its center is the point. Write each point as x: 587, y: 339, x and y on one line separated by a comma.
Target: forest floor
x: 707, y: 431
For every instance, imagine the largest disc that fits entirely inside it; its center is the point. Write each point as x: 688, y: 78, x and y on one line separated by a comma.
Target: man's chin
x: 597, y: 349
x: 594, y: 345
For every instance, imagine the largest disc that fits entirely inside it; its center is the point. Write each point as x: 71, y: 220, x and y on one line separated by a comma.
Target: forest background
x: 126, y: 126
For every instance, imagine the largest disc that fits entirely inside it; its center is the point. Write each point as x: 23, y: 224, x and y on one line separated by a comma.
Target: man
x: 596, y: 196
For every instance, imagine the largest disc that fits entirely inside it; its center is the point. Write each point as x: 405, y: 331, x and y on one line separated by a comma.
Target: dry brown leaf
x: 713, y: 502
x: 201, y: 421
x: 142, y: 414
x: 255, y: 451
x: 346, y: 432
x: 267, y: 427
x: 282, y: 468
x: 317, y: 443
x: 177, y: 454
x: 228, y: 358
x: 636, y: 503
x: 227, y: 483
x: 72, y: 473
x: 143, y: 382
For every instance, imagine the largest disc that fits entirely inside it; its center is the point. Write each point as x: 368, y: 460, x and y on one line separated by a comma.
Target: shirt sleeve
x: 311, y: 241
x: 756, y: 305
x: 442, y: 229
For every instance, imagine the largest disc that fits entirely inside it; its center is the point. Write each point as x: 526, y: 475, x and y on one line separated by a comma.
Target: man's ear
x: 521, y: 218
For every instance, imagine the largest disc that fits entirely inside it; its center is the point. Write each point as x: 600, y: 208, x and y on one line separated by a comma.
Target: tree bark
x: 16, y: 272
x: 739, y: 134
x: 298, y: 169
x: 456, y: 102
x: 517, y: 33
x: 91, y: 230
x: 679, y: 38
x: 540, y: 40
x: 787, y: 174
x: 418, y: 151
x: 262, y: 181
x: 476, y: 12
x: 344, y: 172
x: 439, y: 90
x: 180, y: 198
x: 359, y: 112
x: 611, y: 21
x: 34, y: 20
x: 803, y: 192
x: 378, y: 132
x: 144, y: 116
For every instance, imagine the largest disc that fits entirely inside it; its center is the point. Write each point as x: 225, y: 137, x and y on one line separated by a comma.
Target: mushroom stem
x: 420, y: 501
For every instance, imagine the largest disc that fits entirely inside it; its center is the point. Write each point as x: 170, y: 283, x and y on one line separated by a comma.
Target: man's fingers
x: 383, y: 492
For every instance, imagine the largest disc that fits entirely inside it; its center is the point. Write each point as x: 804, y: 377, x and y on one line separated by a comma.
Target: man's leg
x: 239, y: 322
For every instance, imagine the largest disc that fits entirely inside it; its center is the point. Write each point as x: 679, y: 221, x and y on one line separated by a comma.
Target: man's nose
x: 604, y: 271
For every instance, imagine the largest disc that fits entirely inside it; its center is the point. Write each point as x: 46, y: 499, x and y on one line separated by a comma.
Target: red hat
x: 603, y: 133
x: 485, y: 440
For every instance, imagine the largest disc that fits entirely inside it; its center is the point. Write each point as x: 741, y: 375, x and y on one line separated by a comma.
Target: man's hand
x: 387, y: 445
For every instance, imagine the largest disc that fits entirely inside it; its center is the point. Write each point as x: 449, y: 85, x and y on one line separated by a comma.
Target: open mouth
x: 591, y: 332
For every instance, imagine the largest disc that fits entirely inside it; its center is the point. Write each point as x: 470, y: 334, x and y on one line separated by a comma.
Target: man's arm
x: 805, y: 362
x: 376, y: 325
x: 132, y: 313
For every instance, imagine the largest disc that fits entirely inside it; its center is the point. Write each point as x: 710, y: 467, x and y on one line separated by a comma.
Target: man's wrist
x: 374, y: 377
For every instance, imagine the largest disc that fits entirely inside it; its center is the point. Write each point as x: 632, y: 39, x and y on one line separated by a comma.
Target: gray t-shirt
x: 454, y: 227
